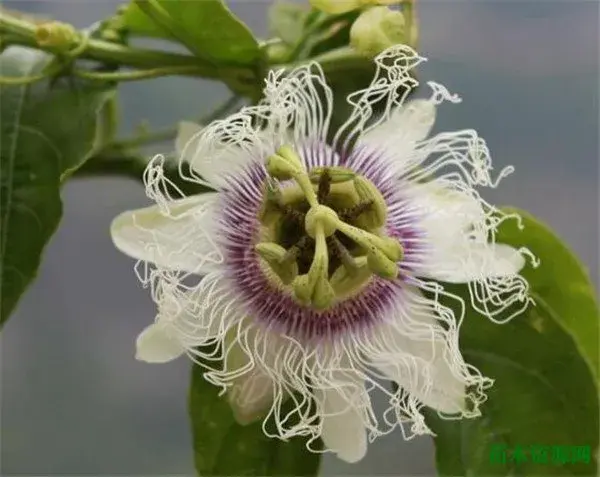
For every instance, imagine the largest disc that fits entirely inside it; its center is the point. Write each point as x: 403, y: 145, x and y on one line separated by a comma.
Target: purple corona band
x: 275, y: 308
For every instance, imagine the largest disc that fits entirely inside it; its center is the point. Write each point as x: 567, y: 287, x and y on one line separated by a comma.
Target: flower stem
x: 23, y: 32
x: 169, y: 133
x: 136, y: 74
x: 119, y: 157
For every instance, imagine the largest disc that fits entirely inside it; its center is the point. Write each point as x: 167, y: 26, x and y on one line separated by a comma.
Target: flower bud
x: 336, y: 7
x: 377, y: 29
x: 57, y: 35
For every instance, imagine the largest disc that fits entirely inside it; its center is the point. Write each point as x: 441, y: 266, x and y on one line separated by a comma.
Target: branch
x: 19, y: 31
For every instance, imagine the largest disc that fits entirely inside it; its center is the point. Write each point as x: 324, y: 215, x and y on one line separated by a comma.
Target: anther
x: 278, y: 260
x: 336, y: 174
x: 377, y: 214
x: 285, y: 165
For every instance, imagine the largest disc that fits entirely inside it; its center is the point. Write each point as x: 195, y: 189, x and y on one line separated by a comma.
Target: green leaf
x: 561, y: 281
x: 224, y: 447
x: 287, y: 21
x: 46, y: 132
x: 545, y: 395
x: 207, y: 28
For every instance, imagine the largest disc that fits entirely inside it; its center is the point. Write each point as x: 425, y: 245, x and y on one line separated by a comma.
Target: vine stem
x: 120, y: 158
x: 23, y: 32
x: 170, y: 132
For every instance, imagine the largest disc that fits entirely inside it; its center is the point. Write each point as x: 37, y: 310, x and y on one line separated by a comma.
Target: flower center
x: 322, y: 235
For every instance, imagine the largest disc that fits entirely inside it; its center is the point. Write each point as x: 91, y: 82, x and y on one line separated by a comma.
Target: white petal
x: 423, y: 364
x: 343, y: 428
x: 251, y: 396
x: 182, y: 238
x: 457, y: 232
x: 155, y: 344
x: 398, y: 136
x: 444, y: 212
x: 188, y: 313
x: 216, y: 163
x: 475, y: 261
x: 253, y: 390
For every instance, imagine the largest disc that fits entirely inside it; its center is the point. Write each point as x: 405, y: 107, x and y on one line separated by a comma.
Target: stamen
x: 368, y: 192
x: 280, y: 263
x: 343, y: 254
x: 390, y: 247
x: 287, y: 165
x: 382, y: 252
x: 365, y: 207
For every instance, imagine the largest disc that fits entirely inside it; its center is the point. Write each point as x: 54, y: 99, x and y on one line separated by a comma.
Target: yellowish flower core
x: 322, y: 234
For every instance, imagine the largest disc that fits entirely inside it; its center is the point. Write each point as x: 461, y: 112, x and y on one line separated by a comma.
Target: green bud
x: 278, y: 260
x: 377, y: 29
x: 61, y: 36
x: 376, y: 216
x: 336, y: 7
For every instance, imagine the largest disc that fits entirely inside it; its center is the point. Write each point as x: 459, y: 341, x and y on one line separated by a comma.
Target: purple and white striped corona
x: 319, y: 268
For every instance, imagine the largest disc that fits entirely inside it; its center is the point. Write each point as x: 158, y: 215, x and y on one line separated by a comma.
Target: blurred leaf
x: 561, y: 281
x: 224, y: 447
x: 545, y: 395
x: 207, y: 27
x: 287, y: 21
x: 46, y: 132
